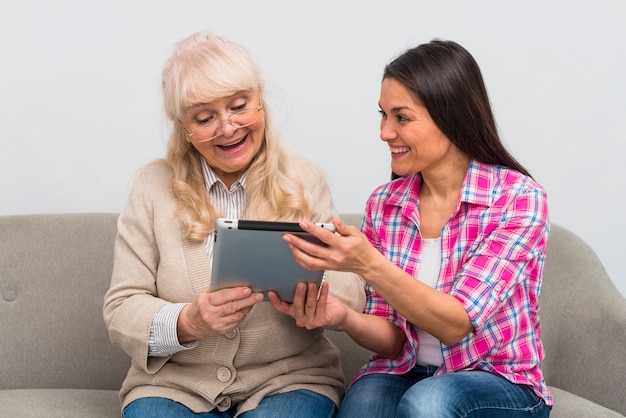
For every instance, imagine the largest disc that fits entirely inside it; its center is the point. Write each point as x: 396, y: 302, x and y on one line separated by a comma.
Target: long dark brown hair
x: 444, y: 77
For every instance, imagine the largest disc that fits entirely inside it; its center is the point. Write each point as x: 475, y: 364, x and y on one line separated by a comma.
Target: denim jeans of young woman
x: 420, y: 393
x: 298, y: 403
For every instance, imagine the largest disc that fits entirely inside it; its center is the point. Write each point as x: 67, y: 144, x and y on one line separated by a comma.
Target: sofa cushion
x: 70, y: 403
x: 54, y: 272
x: 59, y: 403
x: 568, y: 405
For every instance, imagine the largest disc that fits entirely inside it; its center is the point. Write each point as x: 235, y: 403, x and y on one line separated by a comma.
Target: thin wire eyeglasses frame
x: 228, y: 120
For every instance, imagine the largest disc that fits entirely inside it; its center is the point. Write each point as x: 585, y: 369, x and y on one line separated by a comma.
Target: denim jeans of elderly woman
x: 420, y: 393
x: 298, y: 403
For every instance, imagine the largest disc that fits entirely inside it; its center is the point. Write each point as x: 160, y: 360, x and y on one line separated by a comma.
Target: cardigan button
x: 231, y: 334
x: 223, y: 374
x: 224, y: 404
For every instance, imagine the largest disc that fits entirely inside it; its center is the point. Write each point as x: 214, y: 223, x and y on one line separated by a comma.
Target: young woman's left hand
x: 311, y: 311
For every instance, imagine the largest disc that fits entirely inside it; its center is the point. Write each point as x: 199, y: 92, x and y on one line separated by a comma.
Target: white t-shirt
x: 429, y: 352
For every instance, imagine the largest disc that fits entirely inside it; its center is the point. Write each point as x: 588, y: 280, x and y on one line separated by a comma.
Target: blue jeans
x: 298, y: 403
x: 419, y: 393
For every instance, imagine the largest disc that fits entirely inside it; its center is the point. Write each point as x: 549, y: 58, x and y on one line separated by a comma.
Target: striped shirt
x: 492, y: 257
x: 229, y: 203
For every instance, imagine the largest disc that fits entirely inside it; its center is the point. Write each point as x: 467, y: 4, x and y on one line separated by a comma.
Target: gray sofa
x: 56, y: 359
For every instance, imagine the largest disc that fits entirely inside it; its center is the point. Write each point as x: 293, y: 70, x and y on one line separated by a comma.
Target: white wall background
x: 80, y: 105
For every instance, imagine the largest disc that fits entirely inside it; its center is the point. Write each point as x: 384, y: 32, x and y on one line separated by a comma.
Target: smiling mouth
x: 399, y: 150
x: 234, y: 144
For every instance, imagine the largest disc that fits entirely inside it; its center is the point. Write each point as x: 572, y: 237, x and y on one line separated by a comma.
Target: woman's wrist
x: 348, y: 321
x: 183, y: 330
x: 375, y: 267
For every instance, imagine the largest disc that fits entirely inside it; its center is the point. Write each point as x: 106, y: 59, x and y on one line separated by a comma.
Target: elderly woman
x: 225, y: 353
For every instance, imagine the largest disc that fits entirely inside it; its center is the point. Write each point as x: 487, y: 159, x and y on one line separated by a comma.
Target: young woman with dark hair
x: 452, y: 251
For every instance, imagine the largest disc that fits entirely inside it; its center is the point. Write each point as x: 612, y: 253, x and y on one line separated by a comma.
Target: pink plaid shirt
x: 492, y: 256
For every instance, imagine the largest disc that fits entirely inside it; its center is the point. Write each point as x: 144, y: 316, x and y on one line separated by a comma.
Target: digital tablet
x: 253, y: 253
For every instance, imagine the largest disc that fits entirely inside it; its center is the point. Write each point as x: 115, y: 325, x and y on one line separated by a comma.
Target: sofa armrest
x: 583, y: 319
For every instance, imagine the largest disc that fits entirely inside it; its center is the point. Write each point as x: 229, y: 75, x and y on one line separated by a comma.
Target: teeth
x: 398, y: 150
x: 233, y: 144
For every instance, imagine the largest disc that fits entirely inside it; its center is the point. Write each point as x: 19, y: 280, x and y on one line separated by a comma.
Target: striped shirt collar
x: 210, y: 178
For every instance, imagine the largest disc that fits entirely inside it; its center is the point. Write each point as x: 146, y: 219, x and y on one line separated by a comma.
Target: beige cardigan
x: 155, y: 265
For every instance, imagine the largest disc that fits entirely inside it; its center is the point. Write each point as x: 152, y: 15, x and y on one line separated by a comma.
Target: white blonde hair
x: 205, y: 67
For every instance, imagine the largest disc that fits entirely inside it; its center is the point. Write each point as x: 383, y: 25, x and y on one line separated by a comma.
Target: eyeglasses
x: 207, y: 131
